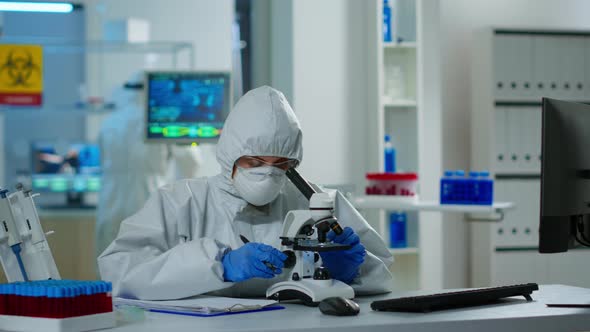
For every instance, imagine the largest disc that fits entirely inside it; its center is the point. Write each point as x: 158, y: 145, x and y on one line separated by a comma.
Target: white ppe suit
x: 172, y: 248
x: 132, y: 169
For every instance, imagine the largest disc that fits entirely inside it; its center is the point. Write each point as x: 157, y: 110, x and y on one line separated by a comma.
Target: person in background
x: 186, y: 240
x: 131, y: 168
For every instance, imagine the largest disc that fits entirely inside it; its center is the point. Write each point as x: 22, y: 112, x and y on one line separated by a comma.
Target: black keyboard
x: 465, y: 298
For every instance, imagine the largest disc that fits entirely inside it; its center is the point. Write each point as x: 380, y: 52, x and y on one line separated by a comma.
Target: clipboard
x: 201, y: 306
x: 216, y: 314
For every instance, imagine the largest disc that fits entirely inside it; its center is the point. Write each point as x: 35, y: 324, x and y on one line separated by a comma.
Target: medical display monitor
x: 65, y: 167
x: 186, y: 107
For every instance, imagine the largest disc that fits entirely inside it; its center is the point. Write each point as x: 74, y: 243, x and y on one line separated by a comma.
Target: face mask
x: 259, y: 185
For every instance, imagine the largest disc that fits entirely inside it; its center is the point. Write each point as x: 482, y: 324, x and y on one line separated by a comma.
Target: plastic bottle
x: 397, y: 230
x: 389, y: 154
x: 387, y: 36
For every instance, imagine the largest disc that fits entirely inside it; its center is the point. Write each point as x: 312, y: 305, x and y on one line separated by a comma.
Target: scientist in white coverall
x: 186, y: 240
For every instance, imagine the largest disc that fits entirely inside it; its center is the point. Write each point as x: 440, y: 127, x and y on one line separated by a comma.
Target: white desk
x: 513, y: 315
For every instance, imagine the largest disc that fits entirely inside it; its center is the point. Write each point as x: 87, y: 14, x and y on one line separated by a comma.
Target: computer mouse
x: 339, y: 306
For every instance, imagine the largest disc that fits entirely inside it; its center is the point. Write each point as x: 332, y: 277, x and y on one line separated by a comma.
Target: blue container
x: 389, y: 156
x: 477, y: 189
x: 387, y: 37
x: 446, y: 186
x: 486, y: 189
x: 398, y: 230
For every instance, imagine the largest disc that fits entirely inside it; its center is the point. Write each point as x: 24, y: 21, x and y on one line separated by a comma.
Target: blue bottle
x: 398, y: 230
x: 387, y: 37
x: 389, y: 156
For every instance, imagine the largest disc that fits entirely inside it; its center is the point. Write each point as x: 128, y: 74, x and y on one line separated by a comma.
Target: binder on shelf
x: 523, y: 69
x: 538, y: 125
x: 524, y: 128
x: 552, y: 68
x: 531, y: 139
x: 513, y: 127
x: 500, y: 155
x: 539, y: 61
x: 574, y: 65
x: 501, y: 66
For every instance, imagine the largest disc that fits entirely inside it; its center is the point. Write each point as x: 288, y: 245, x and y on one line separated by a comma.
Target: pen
x: 244, y: 239
x: 269, y: 265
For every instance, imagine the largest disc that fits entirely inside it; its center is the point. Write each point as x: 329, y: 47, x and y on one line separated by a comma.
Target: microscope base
x: 310, y: 291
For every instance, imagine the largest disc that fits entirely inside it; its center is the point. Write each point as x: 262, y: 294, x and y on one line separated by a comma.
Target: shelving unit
x: 404, y: 251
x: 395, y: 203
x: 394, y: 110
x: 400, y: 103
x: 512, y: 70
x: 403, y: 87
x: 400, y: 45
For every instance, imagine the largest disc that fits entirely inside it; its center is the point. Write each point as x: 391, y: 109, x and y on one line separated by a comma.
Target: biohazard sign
x: 21, y: 75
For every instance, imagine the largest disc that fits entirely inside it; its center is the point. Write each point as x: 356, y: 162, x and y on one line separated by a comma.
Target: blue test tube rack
x: 475, y: 189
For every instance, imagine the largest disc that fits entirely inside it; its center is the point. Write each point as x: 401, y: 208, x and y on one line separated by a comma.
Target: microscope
x: 24, y: 252
x: 308, y: 281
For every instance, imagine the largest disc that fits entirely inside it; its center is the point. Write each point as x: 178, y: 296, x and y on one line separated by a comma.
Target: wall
x: 206, y: 24
x: 329, y: 88
x: 459, y: 19
x: 281, y: 45
x: 260, y: 44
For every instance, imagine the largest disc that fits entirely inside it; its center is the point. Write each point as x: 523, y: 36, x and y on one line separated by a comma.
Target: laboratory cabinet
x: 512, y: 70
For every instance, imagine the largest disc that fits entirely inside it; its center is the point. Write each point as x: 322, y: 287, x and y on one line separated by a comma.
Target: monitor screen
x: 565, y: 176
x: 186, y: 106
x: 71, y: 167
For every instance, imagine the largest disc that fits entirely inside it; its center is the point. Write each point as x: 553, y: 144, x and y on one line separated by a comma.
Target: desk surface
x: 515, y: 314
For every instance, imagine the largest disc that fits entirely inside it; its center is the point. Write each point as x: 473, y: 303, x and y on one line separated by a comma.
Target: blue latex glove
x: 252, y: 260
x: 344, y: 265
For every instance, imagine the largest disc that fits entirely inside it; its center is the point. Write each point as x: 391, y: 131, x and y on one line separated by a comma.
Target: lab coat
x: 173, y: 247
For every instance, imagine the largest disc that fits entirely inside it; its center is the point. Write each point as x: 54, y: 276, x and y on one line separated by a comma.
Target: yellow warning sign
x: 21, y: 74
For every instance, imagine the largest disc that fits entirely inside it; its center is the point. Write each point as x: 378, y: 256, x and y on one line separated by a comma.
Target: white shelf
x: 404, y: 251
x: 405, y: 204
x: 400, y: 45
x: 400, y: 103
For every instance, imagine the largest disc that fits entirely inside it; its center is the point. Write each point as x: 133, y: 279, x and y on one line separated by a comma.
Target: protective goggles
x: 252, y: 162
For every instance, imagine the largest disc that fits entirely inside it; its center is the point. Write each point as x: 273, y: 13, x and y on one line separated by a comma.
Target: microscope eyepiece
x: 335, y: 226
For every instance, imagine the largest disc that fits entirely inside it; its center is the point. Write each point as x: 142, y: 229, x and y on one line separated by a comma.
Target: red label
x: 20, y: 99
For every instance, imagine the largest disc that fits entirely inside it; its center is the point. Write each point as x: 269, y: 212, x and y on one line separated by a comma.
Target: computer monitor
x: 565, y: 176
x: 186, y: 107
x: 65, y: 168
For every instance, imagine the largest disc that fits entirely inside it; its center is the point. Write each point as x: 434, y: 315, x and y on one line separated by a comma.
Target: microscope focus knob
x: 291, y: 258
x: 321, y: 273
